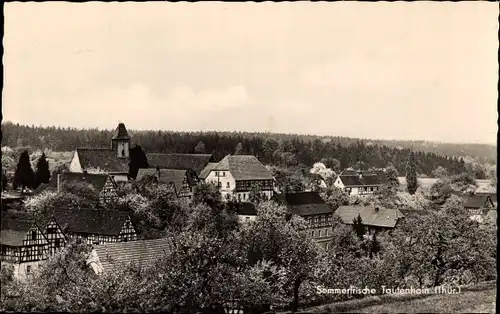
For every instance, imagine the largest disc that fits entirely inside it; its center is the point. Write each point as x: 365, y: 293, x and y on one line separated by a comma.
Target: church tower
x: 120, y: 142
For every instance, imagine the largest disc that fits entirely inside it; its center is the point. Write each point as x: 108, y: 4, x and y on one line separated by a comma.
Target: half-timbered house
x: 361, y: 182
x: 182, y: 181
x: 23, y: 244
x: 311, y: 207
x: 237, y: 175
x: 96, y: 226
x: 54, y: 234
x: 104, y: 184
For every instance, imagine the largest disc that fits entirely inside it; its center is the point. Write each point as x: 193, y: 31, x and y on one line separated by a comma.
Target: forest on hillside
x: 279, y: 149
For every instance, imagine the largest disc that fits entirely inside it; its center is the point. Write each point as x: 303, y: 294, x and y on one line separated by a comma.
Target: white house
x: 113, y: 161
x: 360, y: 182
x: 237, y: 175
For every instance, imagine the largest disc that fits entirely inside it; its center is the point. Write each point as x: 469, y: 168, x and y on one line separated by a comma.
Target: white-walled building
x: 360, y: 182
x: 237, y: 175
x: 113, y: 161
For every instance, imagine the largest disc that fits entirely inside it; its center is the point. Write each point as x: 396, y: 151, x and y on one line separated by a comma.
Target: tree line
x: 287, y: 150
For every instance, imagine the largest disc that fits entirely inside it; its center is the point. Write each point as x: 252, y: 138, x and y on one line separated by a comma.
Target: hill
x: 281, y: 149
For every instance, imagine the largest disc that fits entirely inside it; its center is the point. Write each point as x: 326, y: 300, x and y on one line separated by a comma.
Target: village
x: 358, y: 199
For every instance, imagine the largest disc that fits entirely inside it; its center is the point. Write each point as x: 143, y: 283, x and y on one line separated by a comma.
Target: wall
x: 75, y: 164
x: 224, y: 180
x: 21, y: 270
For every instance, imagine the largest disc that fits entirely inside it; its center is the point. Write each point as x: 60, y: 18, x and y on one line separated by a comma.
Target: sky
x: 381, y: 70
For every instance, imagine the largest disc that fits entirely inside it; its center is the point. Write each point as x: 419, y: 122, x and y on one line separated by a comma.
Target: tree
x: 200, y: 148
x: 255, y: 195
x: 138, y: 160
x: 392, y: 176
x: 239, y: 149
x: 336, y: 197
x: 4, y: 181
x: 42, y: 174
x: 411, y: 174
x: 440, y: 172
x: 358, y: 226
x: 207, y: 193
x: 283, y: 241
x: 24, y: 176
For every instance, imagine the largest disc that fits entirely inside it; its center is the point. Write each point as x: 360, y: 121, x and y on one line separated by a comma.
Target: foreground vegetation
x: 212, y: 259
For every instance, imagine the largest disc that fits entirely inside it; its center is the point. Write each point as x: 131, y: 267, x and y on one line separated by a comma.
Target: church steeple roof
x: 121, y: 133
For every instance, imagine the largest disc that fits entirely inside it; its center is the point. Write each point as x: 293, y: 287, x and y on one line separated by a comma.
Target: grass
x: 479, y: 298
x: 466, y: 302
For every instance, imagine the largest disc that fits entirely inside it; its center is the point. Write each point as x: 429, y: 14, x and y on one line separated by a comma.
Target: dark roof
x: 91, y: 221
x: 476, y: 201
x: 492, y: 195
x: 101, y: 158
x: 96, y: 180
x: 244, y: 167
x: 204, y: 173
x: 244, y: 208
x: 121, y: 133
x: 195, y: 162
x: 353, y: 178
x: 384, y: 217
x: 304, y: 203
x: 14, y: 229
x: 169, y: 176
x: 117, y: 255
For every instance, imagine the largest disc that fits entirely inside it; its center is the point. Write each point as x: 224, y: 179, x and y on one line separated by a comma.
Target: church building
x: 112, y: 161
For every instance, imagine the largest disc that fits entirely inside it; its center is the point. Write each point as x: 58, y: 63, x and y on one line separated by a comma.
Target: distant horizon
x: 408, y: 71
x: 246, y: 131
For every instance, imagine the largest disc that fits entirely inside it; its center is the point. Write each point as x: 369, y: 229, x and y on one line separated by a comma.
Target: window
x: 326, y: 246
x: 220, y: 184
x: 326, y: 232
x: 239, y: 197
x: 228, y: 185
x: 244, y: 196
x: 33, y: 235
x: 57, y: 243
x: 247, y: 218
x: 319, y: 233
x: 223, y: 173
x: 28, y: 269
x: 312, y: 233
x: 216, y: 173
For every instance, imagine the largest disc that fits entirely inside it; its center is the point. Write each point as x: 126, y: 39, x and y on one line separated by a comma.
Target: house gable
x: 108, y: 194
x: 75, y: 165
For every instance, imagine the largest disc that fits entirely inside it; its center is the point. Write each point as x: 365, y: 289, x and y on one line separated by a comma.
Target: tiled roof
x: 103, y: 159
x: 91, y: 221
x: 195, y: 162
x: 493, y: 196
x: 476, y: 201
x: 304, y: 203
x: 168, y: 176
x: 244, y: 167
x: 384, y: 217
x: 352, y: 178
x: 244, y: 208
x: 204, y: 173
x: 14, y: 229
x: 139, y: 252
x: 121, y: 133
x: 96, y: 180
